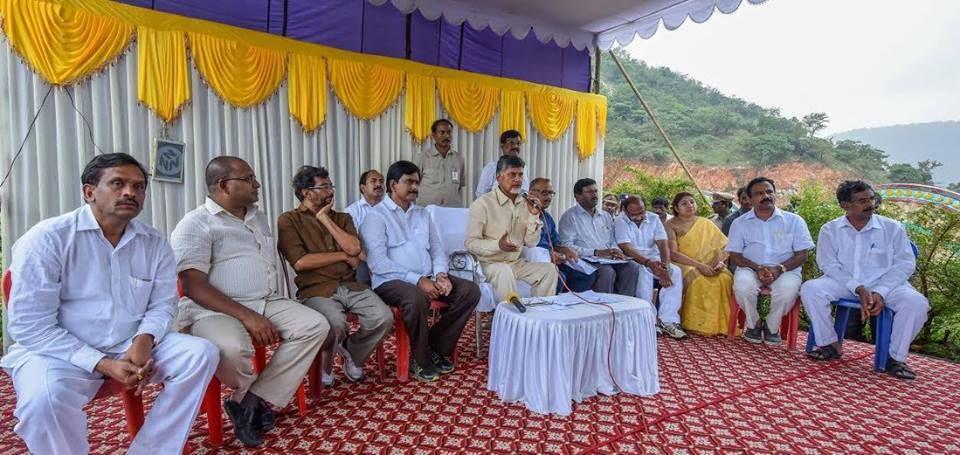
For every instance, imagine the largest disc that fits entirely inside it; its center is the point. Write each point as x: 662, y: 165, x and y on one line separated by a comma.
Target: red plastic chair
x: 789, y: 325
x: 403, y: 340
x: 132, y: 404
x: 211, y: 398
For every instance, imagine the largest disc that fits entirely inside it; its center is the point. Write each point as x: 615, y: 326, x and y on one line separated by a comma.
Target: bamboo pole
x: 656, y: 123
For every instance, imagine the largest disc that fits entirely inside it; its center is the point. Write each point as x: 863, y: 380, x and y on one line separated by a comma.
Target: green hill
x: 937, y: 141
x: 713, y: 129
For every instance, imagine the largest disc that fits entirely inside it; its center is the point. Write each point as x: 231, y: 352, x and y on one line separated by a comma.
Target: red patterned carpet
x: 717, y: 396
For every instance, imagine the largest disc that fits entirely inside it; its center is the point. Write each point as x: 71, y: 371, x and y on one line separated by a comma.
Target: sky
x: 865, y: 63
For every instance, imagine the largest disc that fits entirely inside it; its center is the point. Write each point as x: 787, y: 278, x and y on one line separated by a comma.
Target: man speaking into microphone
x: 501, y: 223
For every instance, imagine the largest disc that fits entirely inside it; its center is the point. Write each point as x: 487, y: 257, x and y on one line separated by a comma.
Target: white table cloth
x: 547, y: 358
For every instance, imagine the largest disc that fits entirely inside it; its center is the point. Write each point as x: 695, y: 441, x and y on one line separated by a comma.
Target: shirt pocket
x: 784, y: 243
x: 140, y: 290
x: 878, y: 258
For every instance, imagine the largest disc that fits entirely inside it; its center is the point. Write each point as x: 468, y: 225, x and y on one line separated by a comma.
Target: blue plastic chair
x: 884, y: 326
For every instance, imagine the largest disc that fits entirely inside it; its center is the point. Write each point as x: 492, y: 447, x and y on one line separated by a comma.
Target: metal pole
x: 596, y: 69
x: 656, y: 123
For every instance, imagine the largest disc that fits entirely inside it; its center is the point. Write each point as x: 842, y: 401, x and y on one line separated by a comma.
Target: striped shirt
x: 238, y: 256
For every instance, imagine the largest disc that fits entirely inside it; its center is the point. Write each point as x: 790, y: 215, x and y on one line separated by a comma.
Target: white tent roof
x: 582, y: 23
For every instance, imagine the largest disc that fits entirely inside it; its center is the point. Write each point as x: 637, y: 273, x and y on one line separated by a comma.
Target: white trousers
x: 909, y: 312
x: 670, y: 297
x: 51, y: 394
x: 783, y: 294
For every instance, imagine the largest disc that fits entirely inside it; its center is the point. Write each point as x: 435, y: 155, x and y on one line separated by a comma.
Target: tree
x: 922, y: 173
x: 815, y: 122
x: 955, y: 186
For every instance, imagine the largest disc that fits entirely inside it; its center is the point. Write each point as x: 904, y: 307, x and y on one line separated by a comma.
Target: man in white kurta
x: 769, y: 247
x: 641, y: 236
x: 510, y: 142
x: 94, y: 292
x: 865, y: 257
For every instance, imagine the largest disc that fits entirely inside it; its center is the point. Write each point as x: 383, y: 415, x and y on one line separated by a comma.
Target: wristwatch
x: 783, y: 268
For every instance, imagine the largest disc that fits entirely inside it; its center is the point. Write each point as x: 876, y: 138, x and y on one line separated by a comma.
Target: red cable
x: 720, y: 399
x: 613, y: 326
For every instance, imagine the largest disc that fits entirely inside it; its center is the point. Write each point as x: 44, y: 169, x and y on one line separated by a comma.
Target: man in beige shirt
x: 441, y: 169
x: 501, y: 222
x: 227, y: 262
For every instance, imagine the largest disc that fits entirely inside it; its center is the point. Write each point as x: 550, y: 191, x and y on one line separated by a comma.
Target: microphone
x: 514, y: 299
x: 535, y: 202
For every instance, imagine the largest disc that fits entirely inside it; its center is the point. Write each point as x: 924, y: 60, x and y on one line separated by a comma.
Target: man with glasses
x: 541, y: 190
x: 322, y: 246
x: 866, y: 257
x: 442, y: 168
x: 409, y: 266
x: 510, y: 142
x: 227, y: 262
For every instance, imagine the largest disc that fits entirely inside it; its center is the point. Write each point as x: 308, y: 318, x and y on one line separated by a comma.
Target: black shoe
x: 426, y: 374
x: 754, y: 335
x: 443, y: 364
x: 243, y: 423
x: 900, y: 370
x: 265, y: 418
x: 771, y: 338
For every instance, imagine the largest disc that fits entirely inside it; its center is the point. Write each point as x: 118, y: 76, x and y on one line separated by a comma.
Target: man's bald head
x: 220, y: 168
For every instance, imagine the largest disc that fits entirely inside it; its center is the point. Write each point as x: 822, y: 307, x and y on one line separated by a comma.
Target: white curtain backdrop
x: 45, y: 180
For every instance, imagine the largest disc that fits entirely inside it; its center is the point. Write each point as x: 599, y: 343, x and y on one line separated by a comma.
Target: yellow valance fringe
x: 242, y: 74
x: 67, y: 40
x: 513, y: 112
x: 470, y: 104
x: 62, y: 44
x: 163, y: 79
x: 365, y: 89
x: 420, y: 106
x: 307, y: 83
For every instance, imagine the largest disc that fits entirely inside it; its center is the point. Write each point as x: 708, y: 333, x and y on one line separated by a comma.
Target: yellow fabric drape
x: 602, y: 117
x: 163, y: 80
x: 241, y: 74
x: 513, y: 114
x: 307, y: 82
x: 550, y: 111
x: 470, y: 104
x: 366, y: 90
x: 586, y: 131
x: 62, y: 44
x: 420, y: 105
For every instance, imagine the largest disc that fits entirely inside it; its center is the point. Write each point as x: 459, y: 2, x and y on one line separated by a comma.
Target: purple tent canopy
x: 357, y: 25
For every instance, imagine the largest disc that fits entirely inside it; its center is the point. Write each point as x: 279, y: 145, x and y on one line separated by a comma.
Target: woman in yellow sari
x: 697, y: 247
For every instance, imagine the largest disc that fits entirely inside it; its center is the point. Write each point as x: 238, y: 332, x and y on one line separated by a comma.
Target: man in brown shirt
x: 441, y: 169
x: 322, y: 247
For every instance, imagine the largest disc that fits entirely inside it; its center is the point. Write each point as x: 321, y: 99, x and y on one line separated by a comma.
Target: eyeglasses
x: 545, y: 193
x: 249, y: 179
x: 326, y: 187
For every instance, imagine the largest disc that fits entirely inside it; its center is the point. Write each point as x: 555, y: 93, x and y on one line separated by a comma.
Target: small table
x: 548, y: 357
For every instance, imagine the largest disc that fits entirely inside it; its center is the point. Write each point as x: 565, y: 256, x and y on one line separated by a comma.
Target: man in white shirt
x: 227, y: 261
x: 641, y: 236
x: 590, y: 233
x: 409, y: 266
x: 501, y: 222
x: 510, y: 142
x: 94, y: 293
x: 371, y: 193
x: 441, y: 168
x: 865, y: 257
x: 769, y: 247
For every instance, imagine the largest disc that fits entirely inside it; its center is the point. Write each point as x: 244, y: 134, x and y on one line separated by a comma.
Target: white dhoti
x: 670, y: 297
x: 909, y: 312
x: 783, y: 295
x: 51, y: 394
